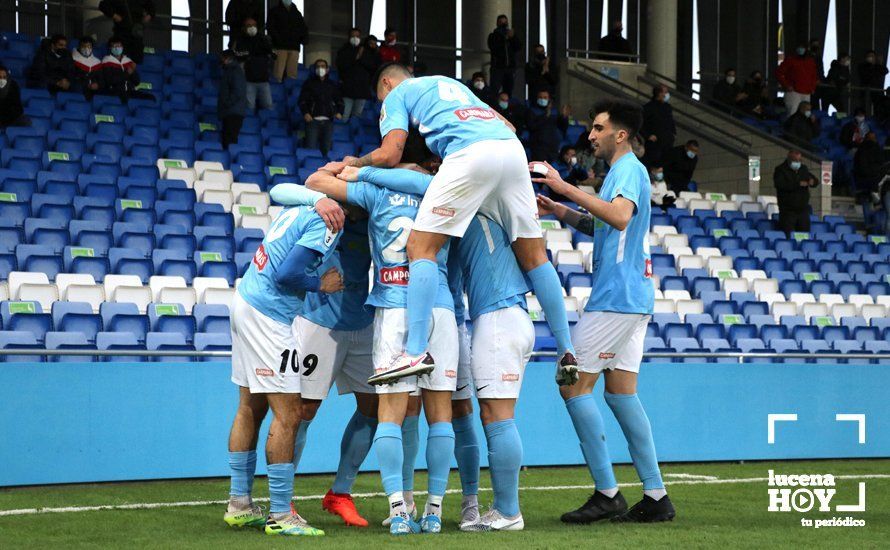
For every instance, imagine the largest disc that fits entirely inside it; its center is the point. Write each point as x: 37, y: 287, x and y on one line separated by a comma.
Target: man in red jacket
x: 798, y: 75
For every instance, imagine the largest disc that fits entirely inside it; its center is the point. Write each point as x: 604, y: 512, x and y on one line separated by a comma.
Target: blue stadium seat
x: 10, y: 339
x: 168, y: 341
x: 163, y: 321
x: 182, y: 267
x: 120, y: 341
x: 225, y: 270
x: 14, y: 213
x: 142, y: 268
x: 213, y: 342
x: 36, y: 323
x: 773, y: 332
x: 212, y: 318
x: 69, y: 341
x: 124, y: 318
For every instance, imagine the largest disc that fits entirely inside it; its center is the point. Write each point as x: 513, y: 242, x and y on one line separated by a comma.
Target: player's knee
x: 461, y: 408
x: 530, y: 254
x: 309, y: 409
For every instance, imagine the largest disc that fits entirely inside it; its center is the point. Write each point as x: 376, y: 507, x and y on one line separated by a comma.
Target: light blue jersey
x: 391, y: 216
x: 345, y: 310
x: 622, y: 265
x: 456, y: 285
x: 448, y: 115
x: 295, y: 226
x: 491, y: 273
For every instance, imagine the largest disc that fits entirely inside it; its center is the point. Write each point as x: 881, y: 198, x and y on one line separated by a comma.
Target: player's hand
x: 349, y: 160
x: 349, y: 173
x: 331, y: 213
x: 331, y: 281
x: 547, y: 206
x: 334, y: 167
x: 552, y: 179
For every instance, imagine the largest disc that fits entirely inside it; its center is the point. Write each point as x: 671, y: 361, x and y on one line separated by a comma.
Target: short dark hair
x: 87, y: 40
x: 115, y: 40
x: 3, y: 68
x: 416, y: 150
x: 656, y: 90
x: 389, y: 30
x: 625, y: 115
x: 693, y: 143
x: 58, y: 36
x: 478, y: 74
x: 388, y: 69
x: 730, y: 69
x: 354, y: 29
x: 502, y: 16
x: 325, y: 61
x: 565, y: 149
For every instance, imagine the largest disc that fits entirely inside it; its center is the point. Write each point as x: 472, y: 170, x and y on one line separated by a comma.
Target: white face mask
x: 86, y: 52
x: 355, y: 40
x: 667, y: 97
x: 3, y: 83
x: 573, y: 161
x: 478, y: 84
x: 321, y: 71
x: 860, y: 119
x: 730, y: 80
x: 251, y: 31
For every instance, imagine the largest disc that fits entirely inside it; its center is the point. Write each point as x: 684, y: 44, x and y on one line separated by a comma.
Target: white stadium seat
x: 780, y: 309
x: 665, y: 306
x: 720, y: 263
x: 558, y: 235
x: 753, y: 274
x: 860, y: 300
x: 274, y: 211
x: 202, y: 166
x: 213, y: 295
x: 202, y: 186
x: 111, y: 282
x: 139, y: 295
x: 662, y: 230
x: 223, y: 198
x: 690, y: 262
x: 256, y: 221
x: 699, y: 204
x: 260, y: 201
x: 814, y: 310
x: 18, y: 278
x: 839, y: 311
x: 569, y: 257
x: 734, y: 284
x: 685, y: 307
x: 91, y: 294
x: 801, y: 298
x: 708, y: 252
x: 184, y: 296
x: 831, y: 299
x: 4, y: 291
x: 870, y: 311
x: 677, y: 294
x: 157, y: 282
x: 45, y: 294
x: 690, y: 195
x: 239, y: 188
x: 201, y: 284
x: 721, y: 206
x: 762, y: 286
x: 187, y: 175
x: 164, y: 165
x: 669, y: 241
x: 63, y: 280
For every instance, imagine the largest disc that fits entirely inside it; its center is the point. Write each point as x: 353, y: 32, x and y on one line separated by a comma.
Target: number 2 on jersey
x: 394, y: 252
x: 449, y: 91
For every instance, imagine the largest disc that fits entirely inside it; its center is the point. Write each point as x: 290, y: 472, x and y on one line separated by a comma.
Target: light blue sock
x: 504, y: 462
x: 591, y: 432
x: 243, y: 466
x: 300, y: 442
x: 545, y: 283
x: 281, y: 487
x: 388, y: 442
x: 439, y: 450
x: 635, y: 424
x: 354, y: 447
x: 410, y: 446
x: 423, y: 282
x: 466, y: 451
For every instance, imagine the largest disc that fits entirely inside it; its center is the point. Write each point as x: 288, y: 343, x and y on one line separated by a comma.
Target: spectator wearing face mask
x: 357, y: 63
x: 679, y: 166
x: 570, y: 170
x: 119, y: 76
x: 615, y: 43
x: 837, y: 91
x: 130, y: 18
x: 798, y: 75
x: 541, y: 72
x: 659, y: 129
x: 232, y: 102
x: 320, y: 102
x: 503, y: 45
x: 239, y: 11
x: 87, y: 68
x: 661, y: 196
x: 12, y: 113
x: 288, y: 32
x: 391, y: 51
x: 793, y: 182
x: 756, y: 99
x: 546, y: 127
x: 803, y: 127
x: 870, y: 165
x: 513, y: 111
x: 854, y: 131
x: 871, y: 74
x: 254, y: 51
x: 481, y: 89
x: 727, y: 93
x: 53, y: 68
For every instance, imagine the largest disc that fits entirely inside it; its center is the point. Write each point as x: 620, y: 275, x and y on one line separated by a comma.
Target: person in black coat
x: 254, y: 51
x: 288, y: 32
x: 481, y: 89
x: 659, y: 129
x: 546, y: 128
x: 320, y: 102
x: 837, y: 90
x: 130, y: 18
x: 503, y: 47
x: 541, y: 73
x: 53, y: 67
x: 238, y: 11
x: 871, y: 75
x: 12, y: 113
x: 727, y: 93
x: 793, y: 182
x: 679, y: 166
x: 232, y: 103
x: 615, y: 43
x: 513, y: 111
x: 869, y: 164
x: 802, y: 127
x: 357, y: 62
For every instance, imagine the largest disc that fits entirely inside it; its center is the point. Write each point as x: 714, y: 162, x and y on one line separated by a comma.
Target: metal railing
x: 602, y: 56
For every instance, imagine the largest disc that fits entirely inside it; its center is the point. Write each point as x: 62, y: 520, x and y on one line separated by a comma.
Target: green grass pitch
x: 710, y: 514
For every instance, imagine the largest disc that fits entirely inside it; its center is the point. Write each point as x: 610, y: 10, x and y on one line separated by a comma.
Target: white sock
x: 433, y: 506
x: 409, y: 499
x: 397, y: 504
x: 470, y: 501
x: 609, y: 492
x: 239, y: 502
x: 656, y: 494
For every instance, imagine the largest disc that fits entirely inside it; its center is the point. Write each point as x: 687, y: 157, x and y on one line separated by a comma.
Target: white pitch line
x: 691, y: 476
x: 155, y: 505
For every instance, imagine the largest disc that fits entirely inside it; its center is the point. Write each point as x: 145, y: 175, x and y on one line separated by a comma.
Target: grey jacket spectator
x: 287, y: 28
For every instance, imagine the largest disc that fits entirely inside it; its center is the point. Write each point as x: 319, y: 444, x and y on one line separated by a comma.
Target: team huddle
x: 443, y: 208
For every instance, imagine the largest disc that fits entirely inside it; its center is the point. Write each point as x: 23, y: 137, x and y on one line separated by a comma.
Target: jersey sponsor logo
x: 444, y: 212
x: 510, y: 377
x: 475, y: 112
x: 260, y: 258
x: 394, y: 275
x: 606, y: 355
x: 265, y: 372
x: 451, y: 374
x: 396, y: 199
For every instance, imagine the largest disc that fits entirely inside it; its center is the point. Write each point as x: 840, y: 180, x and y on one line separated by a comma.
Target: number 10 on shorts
x: 289, y: 356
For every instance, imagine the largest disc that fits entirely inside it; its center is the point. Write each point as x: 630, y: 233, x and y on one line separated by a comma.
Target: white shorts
x: 607, y: 340
x: 503, y: 341
x: 264, y: 351
x: 390, y: 336
x: 464, y: 388
x: 329, y: 355
x: 490, y: 177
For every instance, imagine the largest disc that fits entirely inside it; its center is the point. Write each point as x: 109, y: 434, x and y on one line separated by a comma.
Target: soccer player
x: 483, y: 169
x: 264, y: 366
x: 610, y: 333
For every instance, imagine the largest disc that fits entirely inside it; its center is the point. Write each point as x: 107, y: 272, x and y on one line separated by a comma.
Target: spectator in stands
x: 837, y: 92
x: 254, y: 51
x: 679, y: 166
x: 130, y: 18
x: 814, y: 51
x: 615, y: 43
x: 238, y: 11
x: 798, y: 76
x: 320, y: 102
x: 53, y: 68
x: 288, y: 32
x: 503, y: 46
x: 727, y: 93
x: 661, y: 196
x: 87, y: 68
x: 357, y: 63
x: 870, y: 165
x: 570, y: 170
x: 232, y: 104
x: 513, y: 111
x: 756, y: 99
x: 12, y: 113
x: 481, y: 89
x: 119, y: 76
x: 541, y: 72
x: 391, y: 51
x: 802, y: 127
x: 854, y: 131
x: 658, y: 128
x: 871, y: 74
x: 793, y: 182
x: 546, y: 127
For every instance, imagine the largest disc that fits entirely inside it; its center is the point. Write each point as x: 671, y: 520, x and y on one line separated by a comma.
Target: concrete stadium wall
x: 66, y: 423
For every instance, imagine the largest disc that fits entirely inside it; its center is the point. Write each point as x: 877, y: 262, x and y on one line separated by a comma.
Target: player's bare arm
x: 327, y: 183
x: 387, y: 155
x: 616, y: 213
x: 582, y: 222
